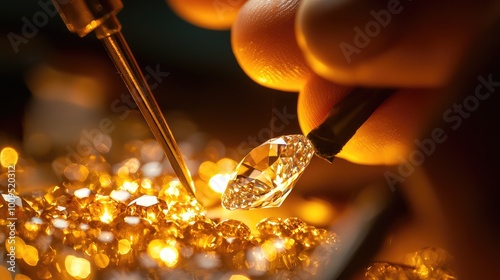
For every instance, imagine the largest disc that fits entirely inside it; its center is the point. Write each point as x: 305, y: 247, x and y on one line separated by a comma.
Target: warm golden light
x: 131, y: 187
x: 226, y: 165
x: 76, y: 172
x: 238, y: 277
x: 155, y: 247
x: 101, y: 260
x: 19, y: 277
x: 106, y: 217
x: 169, y: 255
x: 18, y: 244
x: 30, y: 255
x: 105, y: 208
x: 218, y: 182
x: 323, y: 211
x: 4, y: 273
x: 269, y: 251
x: 105, y: 180
x: 124, y: 246
x: 77, y: 267
x: 8, y: 157
x: 207, y: 169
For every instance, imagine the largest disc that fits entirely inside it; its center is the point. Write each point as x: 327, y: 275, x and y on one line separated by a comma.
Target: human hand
x: 324, y: 48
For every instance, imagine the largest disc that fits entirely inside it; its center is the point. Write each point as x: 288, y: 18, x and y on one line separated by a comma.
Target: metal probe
x: 85, y: 16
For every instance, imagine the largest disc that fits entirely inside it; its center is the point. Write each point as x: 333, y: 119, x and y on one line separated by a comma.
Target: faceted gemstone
x: 432, y: 263
x: 380, y: 270
x: 265, y: 177
x: 232, y: 229
x: 31, y: 228
x: 235, y: 236
x: 308, y: 236
x: 185, y: 213
x: 56, y: 195
x: 167, y: 230
x: 272, y: 226
x: 14, y: 207
x: 202, y: 235
x: 294, y: 223
x: 36, y: 200
x: 105, y: 209
x: 173, y: 192
x: 133, y: 229
x: 147, y: 207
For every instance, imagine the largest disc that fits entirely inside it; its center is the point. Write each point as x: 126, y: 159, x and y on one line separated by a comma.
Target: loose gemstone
x: 265, y: 177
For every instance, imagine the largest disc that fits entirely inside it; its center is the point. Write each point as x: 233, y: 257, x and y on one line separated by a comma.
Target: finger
x: 389, y: 43
x: 386, y: 137
x: 263, y: 41
x: 210, y: 14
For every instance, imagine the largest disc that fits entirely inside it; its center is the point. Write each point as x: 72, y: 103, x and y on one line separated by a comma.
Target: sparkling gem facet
x: 265, y: 177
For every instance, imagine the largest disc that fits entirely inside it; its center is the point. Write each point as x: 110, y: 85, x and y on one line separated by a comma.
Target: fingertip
x: 386, y: 137
x: 210, y: 14
x: 316, y: 99
x: 264, y: 43
x: 337, y: 36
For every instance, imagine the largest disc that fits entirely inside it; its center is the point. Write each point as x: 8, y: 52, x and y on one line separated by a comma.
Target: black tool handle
x: 344, y: 119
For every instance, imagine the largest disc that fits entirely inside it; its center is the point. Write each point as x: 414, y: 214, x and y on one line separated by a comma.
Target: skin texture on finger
x: 389, y: 43
x: 386, y: 137
x: 263, y: 41
x: 210, y: 14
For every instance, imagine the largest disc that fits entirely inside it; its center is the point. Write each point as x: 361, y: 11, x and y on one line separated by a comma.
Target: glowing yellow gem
x: 238, y: 277
x: 271, y: 227
x: 77, y: 267
x: 154, y: 248
x: 8, y: 157
x: 101, y: 260
x: 169, y: 255
x: 30, y: 255
x: 124, y: 246
x: 233, y: 228
x: 105, y: 208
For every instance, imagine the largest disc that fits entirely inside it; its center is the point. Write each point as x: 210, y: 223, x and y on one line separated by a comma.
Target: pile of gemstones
x: 125, y: 221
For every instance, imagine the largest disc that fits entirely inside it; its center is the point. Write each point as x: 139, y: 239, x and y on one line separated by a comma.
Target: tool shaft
x: 131, y: 74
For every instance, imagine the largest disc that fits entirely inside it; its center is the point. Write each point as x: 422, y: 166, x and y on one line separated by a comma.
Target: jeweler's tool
x: 344, y: 119
x: 85, y: 16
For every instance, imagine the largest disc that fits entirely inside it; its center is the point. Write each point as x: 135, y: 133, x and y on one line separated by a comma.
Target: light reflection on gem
x: 169, y: 255
x: 265, y: 176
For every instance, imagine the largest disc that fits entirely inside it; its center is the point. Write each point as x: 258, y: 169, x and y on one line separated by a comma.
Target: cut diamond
x: 265, y: 177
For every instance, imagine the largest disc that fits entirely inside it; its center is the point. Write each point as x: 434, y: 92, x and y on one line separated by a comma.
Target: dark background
x: 205, y: 81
